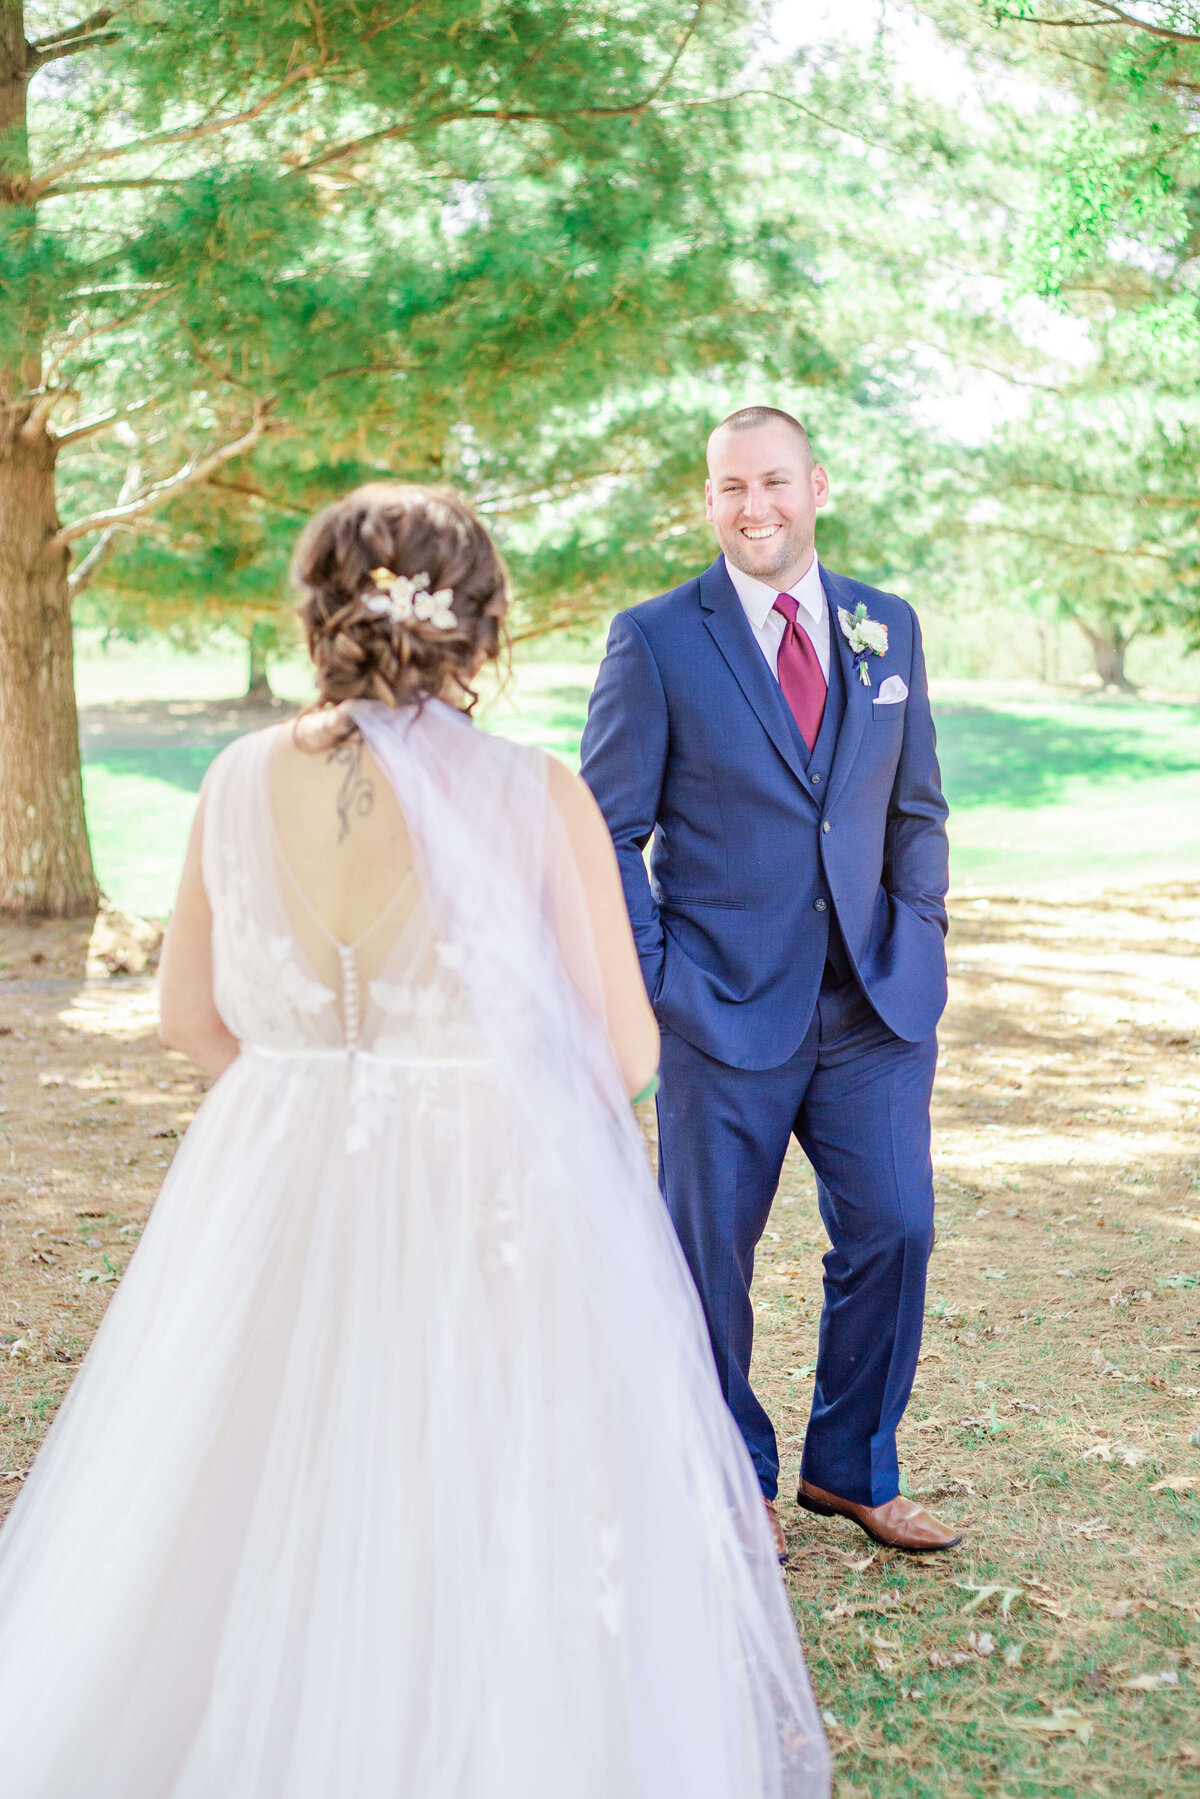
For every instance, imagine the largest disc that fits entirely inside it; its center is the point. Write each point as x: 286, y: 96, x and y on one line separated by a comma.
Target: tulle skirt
x: 367, y: 1489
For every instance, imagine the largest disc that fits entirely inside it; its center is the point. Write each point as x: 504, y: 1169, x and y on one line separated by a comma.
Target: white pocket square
x: 892, y: 692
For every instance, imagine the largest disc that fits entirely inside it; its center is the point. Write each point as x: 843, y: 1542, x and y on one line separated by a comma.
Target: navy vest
x: 819, y: 760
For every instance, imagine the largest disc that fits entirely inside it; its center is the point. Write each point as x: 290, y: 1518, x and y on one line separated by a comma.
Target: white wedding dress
x: 399, y: 1467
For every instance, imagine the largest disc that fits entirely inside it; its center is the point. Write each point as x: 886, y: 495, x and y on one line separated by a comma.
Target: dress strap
x: 336, y: 942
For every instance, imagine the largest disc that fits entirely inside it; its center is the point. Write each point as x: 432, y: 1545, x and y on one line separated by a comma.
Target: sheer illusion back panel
x: 344, y: 850
x: 322, y: 935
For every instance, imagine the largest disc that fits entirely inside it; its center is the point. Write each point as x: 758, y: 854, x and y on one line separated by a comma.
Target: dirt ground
x: 1056, y: 1415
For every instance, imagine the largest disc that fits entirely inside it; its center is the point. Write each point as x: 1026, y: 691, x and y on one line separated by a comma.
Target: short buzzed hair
x: 749, y: 418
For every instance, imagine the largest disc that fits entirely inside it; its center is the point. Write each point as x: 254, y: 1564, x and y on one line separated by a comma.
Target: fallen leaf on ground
x: 1063, y: 1721
x: 956, y: 1660
x: 1099, y: 1452
x: 1150, y: 1683
x: 850, y: 1608
x: 1012, y: 1656
x: 982, y: 1642
x: 985, y: 1593
x: 1189, y: 1755
x: 1174, y: 1483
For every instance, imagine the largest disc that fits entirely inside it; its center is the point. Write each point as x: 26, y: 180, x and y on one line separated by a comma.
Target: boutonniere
x: 866, y: 637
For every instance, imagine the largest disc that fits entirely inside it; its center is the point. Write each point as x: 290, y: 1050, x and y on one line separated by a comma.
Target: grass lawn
x: 1052, y: 792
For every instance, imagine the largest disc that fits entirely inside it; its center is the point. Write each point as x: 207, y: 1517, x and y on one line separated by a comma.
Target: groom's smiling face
x: 761, y: 497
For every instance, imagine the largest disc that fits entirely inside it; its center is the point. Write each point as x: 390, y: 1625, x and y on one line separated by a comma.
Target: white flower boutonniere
x: 866, y: 637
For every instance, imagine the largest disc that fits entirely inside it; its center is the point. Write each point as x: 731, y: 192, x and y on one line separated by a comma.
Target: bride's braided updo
x: 403, y: 591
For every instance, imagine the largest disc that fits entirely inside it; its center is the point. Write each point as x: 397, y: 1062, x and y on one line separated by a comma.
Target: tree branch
x: 87, y: 187
x: 93, y: 22
x: 43, y: 406
x: 96, y: 40
x: 100, y: 421
x: 1120, y: 17
x: 669, y: 73
x: 81, y: 577
x: 1062, y: 24
x: 1115, y: 15
x: 76, y: 343
x: 400, y: 18
x: 195, y: 469
x: 257, y: 493
x: 88, y: 34
x: 510, y: 115
x: 184, y: 134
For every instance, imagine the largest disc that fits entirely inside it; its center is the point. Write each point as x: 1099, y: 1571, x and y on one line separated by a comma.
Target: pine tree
x: 253, y: 250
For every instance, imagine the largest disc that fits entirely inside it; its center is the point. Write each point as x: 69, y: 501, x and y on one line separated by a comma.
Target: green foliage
x: 503, y: 245
x: 538, y: 250
x: 1054, y: 217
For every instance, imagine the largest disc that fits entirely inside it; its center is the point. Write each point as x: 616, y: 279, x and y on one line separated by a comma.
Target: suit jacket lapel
x: 730, y: 630
x: 858, y: 697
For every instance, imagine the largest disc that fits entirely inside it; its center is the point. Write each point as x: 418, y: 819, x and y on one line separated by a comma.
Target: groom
x: 768, y: 725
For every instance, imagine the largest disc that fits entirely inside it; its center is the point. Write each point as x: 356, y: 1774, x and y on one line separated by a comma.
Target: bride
x: 399, y: 1468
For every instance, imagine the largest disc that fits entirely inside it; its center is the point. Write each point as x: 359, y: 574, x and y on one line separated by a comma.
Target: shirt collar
x: 758, y: 597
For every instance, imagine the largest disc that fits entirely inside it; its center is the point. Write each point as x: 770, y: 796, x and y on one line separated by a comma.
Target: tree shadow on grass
x: 990, y: 756
x: 987, y: 756
x: 164, y: 740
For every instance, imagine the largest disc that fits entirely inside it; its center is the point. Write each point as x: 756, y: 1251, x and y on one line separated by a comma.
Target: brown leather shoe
x: 900, y: 1524
x: 776, y: 1524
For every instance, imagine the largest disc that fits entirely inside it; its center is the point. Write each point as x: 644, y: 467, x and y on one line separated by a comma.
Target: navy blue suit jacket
x: 689, y: 740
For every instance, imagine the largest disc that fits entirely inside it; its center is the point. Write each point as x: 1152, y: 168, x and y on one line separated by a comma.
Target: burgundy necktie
x: 804, y: 686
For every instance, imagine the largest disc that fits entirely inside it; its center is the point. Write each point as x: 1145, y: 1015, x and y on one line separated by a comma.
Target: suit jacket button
x: 820, y: 905
x: 815, y: 779
x: 825, y: 826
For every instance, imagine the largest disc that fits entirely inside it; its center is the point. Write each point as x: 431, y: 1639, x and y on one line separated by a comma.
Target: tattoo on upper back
x: 356, y: 793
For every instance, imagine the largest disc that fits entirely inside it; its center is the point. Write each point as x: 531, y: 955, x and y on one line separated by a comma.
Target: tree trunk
x: 259, y: 688
x: 1109, y: 645
x: 45, y: 860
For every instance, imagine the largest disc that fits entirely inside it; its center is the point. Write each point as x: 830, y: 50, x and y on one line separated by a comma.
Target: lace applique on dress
x: 610, y: 1597
x: 271, y: 981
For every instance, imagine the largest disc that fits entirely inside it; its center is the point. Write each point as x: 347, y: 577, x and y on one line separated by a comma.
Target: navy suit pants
x: 856, y: 1097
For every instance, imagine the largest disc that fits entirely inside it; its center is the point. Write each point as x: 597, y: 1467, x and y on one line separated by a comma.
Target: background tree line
x: 258, y: 250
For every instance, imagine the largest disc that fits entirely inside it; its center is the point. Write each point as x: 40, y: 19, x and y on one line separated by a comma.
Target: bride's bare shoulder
x: 241, y: 749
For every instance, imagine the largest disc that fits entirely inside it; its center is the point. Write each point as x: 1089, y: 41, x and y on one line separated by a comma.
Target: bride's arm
x: 188, y: 1017
x: 630, y: 1023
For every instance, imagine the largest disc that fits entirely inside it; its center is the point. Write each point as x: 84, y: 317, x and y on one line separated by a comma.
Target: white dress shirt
x: 812, y: 612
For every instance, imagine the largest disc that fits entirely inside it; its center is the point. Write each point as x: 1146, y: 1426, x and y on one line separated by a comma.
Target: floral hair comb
x: 405, y: 598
